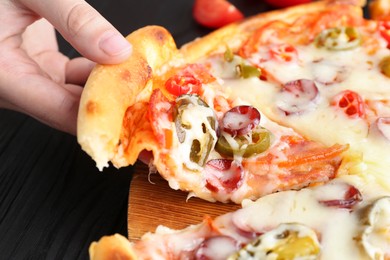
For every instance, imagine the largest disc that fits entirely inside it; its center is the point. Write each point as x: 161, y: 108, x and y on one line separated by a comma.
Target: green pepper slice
x: 261, y: 141
x: 384, y: 66
x: 247, y: 71
x: 202, y: 144
x: 338, y: 38
x: 228, y: 55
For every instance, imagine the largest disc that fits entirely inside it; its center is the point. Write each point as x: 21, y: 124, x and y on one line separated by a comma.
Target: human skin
x: 38, y: 80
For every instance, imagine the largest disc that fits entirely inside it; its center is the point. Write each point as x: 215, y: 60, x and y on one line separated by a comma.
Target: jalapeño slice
x: 259, y: 142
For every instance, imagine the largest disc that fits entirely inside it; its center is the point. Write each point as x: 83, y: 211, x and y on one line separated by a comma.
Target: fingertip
x: 115, y: 46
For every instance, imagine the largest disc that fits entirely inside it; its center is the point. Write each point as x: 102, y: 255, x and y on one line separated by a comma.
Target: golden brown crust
x: 111, y: 247
x: 111, y: 89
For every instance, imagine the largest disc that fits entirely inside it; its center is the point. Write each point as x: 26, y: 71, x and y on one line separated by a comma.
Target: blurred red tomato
x: 215, y: 13
x: 286, y: 3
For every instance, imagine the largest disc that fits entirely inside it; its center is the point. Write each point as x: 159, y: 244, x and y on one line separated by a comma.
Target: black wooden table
x: 53, y: 200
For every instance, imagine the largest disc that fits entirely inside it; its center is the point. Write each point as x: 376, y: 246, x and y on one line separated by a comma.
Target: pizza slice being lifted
x: 210, y: 134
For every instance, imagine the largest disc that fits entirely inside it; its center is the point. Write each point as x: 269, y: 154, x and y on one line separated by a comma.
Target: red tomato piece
x: 179, y: 85
x: 223, y: 175
x: 287, y: 3
x: 284, y: 52
x: 351, y: 103
x: 188, y: 80
x: 215, y: 13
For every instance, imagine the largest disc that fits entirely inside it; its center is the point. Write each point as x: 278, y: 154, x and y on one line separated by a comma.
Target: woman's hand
x: 35, y: 78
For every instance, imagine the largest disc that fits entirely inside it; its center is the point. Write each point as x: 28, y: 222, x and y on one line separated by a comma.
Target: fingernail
x: 115, y: 44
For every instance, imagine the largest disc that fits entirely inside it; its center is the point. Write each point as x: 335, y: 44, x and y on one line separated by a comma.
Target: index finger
x: 85, y: 28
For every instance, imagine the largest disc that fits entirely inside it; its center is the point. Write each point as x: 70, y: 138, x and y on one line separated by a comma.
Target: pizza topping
x: 196, y: 128
x: 271, y: 32
x: 338, y: 38
x: 240, y: 120
x: 350, y: 102
x: 384, y: 66
x: 287, y: 241
x: 188, y: 80
x: 297, y: 96
x: 247, y: 71
x: 375, y: 237
x: 217, y: 247
x: 383, y: 124
x: 384, y: 30
x: 258, y: 142
x: 339, y: 195
x: 223, y: 175
x: 183, y: 84
x: 242, y: 68
x: 284, y: 52
x: 228, y: 55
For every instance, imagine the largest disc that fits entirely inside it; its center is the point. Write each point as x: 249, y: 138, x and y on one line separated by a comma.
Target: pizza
x: 205, y: 138
x: 286, y: 113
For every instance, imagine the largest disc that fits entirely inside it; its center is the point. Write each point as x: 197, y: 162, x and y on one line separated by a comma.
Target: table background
x: 53, y: 200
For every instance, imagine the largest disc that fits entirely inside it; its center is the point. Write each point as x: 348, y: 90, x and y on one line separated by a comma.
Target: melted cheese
x: 339, y: 229
x: 333, y: 72
x: 195, y: 116
x: 323, y: 122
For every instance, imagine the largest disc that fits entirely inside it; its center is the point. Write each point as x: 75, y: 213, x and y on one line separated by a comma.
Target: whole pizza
x: 286, y: 113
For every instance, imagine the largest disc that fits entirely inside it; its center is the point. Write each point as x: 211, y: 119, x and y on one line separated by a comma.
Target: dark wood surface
x: 153, y: 203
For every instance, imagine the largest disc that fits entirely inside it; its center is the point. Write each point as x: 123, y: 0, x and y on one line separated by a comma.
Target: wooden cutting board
x: 153, y: 203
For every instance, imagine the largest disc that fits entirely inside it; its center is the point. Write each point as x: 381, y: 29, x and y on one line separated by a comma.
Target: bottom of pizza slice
x: 340, y: 220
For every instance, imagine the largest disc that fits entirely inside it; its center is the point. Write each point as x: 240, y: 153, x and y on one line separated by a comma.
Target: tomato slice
x: 188, y: 80
x: 350, y: 102
x: 287, y: 3
x: 223, y: 175
x: 215, y: 13
x: 179, y: 85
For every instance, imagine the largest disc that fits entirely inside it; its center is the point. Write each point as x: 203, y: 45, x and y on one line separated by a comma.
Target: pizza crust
x: 111, y: 247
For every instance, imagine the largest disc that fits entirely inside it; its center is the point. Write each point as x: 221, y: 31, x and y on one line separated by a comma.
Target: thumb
x: 84, y: 28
